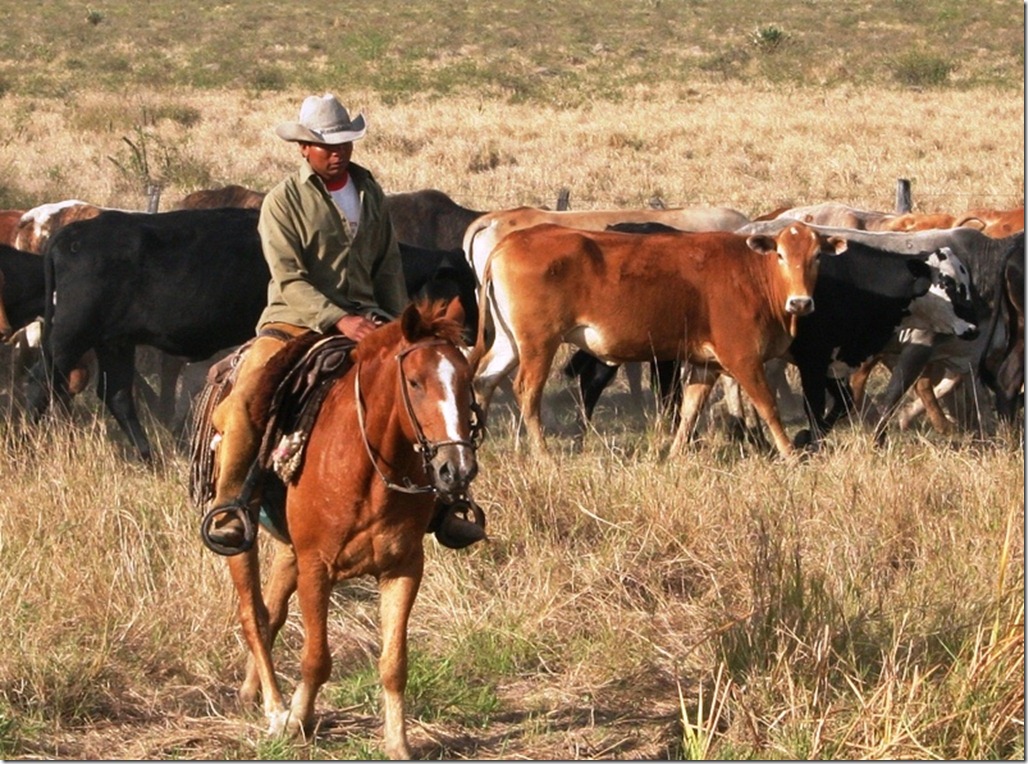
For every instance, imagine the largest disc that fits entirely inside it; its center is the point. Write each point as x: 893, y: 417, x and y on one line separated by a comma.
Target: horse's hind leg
x: 277, y: 591
x: 253, y: 617
x: 396, y: 598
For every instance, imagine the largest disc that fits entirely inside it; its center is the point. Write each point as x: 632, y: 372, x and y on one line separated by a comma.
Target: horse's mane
x: 431, y: 321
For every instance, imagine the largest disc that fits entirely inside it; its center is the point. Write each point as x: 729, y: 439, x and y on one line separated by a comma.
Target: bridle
x: 428, y: 449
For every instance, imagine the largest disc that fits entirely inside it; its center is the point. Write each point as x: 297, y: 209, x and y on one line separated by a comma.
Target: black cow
x: 188, y: 282
x: 23, y: 289
x: 442, y: 274
x: 429, y: 219
x: 863, y: 298
x: 1003, y: 370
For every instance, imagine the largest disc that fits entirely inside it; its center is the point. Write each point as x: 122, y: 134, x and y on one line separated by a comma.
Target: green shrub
x: 768, y: 37
x: 920, y: 69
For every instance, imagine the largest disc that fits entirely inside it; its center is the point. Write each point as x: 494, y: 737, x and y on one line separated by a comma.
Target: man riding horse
x: 335, y: 269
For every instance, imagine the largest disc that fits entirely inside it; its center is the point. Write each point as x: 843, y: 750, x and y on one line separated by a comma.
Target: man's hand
x: 355, y: 327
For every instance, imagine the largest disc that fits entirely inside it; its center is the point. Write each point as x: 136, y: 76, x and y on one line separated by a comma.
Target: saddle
x: 293, y: 385
x: 311, y: 367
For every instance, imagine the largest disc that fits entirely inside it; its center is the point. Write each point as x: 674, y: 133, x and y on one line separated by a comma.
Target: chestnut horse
x: 395, y: 431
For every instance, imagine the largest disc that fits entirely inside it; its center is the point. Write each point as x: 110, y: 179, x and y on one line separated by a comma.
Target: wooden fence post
x: 903, y: 202
x: 153, y: 193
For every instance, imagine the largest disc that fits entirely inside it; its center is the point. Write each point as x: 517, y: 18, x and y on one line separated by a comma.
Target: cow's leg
x: 50, y: 378
x: 529, y: 382
x: 313, y: 590
x: 813, y: 370
x: 1010, y: 385
x: 277, y: 591
x: 742, y: 421
x: 858, y: 380
x: 697, y: 389
x: 496, y: 363
x: 397, y: 594
x: 253, y: 617
x: 842, y: 401
x: 911, y: 363
x: 116, y: 365
x: 594, y: 377
x: 171, y: 368
x: 750, y: 374
x: 927, y: 402
x: 790, y: 403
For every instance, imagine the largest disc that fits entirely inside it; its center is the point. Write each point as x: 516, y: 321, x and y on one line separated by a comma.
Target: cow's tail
x: 478, y: 225
x: 481, y: 338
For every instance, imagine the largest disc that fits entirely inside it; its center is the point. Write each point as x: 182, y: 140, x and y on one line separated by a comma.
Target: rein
x: 425, y: 447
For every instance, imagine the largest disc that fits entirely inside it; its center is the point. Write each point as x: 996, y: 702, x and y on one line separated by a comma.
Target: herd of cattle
x: 696, y: 292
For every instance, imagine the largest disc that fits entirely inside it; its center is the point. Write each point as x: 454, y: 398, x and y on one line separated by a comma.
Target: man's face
x: 330, y: 162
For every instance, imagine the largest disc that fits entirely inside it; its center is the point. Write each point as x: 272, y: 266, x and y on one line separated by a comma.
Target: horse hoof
x: 278, y: 722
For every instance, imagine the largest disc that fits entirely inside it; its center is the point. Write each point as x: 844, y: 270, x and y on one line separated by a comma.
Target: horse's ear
x: 412, y: 323
x: 455, y: 311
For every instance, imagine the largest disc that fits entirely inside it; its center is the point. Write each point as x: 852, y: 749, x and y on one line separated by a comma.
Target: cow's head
x: 797, y: 248
x: 944, y: 300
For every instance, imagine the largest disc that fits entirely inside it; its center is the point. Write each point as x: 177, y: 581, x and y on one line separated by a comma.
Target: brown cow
x: 486, y: 231
x: 227, y: 196
x: 40, y: 223
x: 702, y: 297
x: 995, y: 223
x: 9, y: 220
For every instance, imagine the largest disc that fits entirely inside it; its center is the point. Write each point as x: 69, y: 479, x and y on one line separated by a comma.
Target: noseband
x: 423, y: 446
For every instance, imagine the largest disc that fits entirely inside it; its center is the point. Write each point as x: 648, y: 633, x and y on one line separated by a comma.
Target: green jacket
x: 320, y: 271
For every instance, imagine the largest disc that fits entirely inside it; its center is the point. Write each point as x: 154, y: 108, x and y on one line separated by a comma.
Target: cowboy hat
x: 323, y: 120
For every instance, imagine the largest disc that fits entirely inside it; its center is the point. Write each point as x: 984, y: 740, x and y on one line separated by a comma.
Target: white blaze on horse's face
x: 454, y: 464
x: 448, y: 407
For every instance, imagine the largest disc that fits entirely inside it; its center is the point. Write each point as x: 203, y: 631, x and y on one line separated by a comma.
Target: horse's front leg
x: 396, y: 598
x: 313, y: 589
x: 253, y: 616
x: 277, y: 591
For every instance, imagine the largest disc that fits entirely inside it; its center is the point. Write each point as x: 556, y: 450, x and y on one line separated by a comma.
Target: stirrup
x: 249, y: 529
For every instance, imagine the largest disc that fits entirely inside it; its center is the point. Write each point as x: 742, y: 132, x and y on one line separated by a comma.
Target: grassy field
x: 862, y: 604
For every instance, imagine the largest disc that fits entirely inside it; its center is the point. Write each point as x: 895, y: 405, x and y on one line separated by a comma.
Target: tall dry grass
x: 750, y: 147
x: 862, y: 604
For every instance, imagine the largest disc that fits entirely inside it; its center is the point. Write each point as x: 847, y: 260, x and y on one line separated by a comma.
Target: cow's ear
x: 922, y: 274
x: 762, y: 243
x: 834, y: 245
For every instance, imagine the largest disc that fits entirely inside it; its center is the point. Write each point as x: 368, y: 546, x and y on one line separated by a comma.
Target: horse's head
x: 435, y: 386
